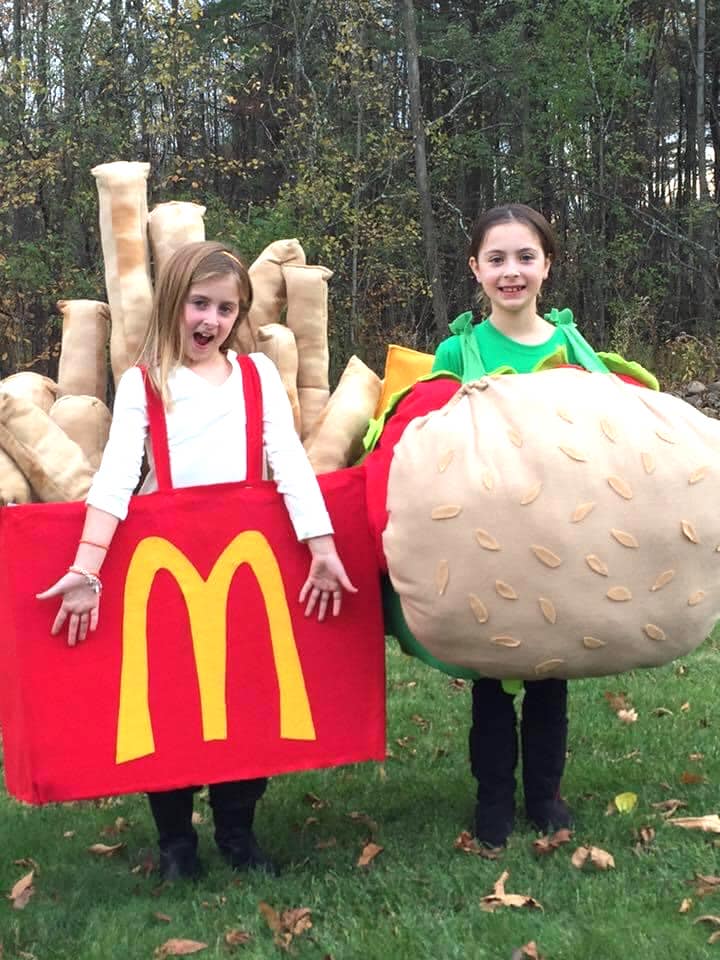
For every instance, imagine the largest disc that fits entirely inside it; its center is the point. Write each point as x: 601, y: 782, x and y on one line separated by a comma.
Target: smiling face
x: 210, y: 310
x: 511, y: 265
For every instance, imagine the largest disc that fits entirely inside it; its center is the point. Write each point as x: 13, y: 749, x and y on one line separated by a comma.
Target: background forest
x: 374, y: 131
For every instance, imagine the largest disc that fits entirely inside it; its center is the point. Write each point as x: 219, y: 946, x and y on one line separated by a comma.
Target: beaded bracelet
x: 91, y: 579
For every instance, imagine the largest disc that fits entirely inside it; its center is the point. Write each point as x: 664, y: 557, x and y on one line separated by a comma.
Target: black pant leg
x: 233, y: 805
x: 172, y: 812
x: 544, y: 730
x: 493, y: 759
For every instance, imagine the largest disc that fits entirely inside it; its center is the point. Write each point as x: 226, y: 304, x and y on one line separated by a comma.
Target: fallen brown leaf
x: 499, y: 898
x: 457, y: 683
x: 420, y: 721
x: 369, y: 852
x: 710, y: 823
x: 22, y: 891
x: 272, y: 917
x: 595, y: 855
x: 105, y: 850
x: 686, y: 905
x: 708, y: 918
x: 528, y: 951
x: 707, y: 881
x: 687, y: 777
x: 310, y: 822
x: 546, y: 845
x: 661, y: 712
x: 162, y: 917
x: 68, y: 834
x: 646, y: 836
x: 315, y: 802
x: 714, y: 937
x: 286, y: 925
x: 237, y: 938
x: 27, y: 862
x: 685, y: 707
x: 627, y: 716
x: 616, y: 701
x: 696, y: 757
x: 176, y: 947
x: 468, y: 844
x: 668, y: 807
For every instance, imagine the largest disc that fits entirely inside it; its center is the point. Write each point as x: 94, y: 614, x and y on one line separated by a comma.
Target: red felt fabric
x: 425, y: 396
x: 59, y: 706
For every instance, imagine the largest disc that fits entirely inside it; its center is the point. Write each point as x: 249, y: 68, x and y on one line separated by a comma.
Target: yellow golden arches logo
x: 206, y: 602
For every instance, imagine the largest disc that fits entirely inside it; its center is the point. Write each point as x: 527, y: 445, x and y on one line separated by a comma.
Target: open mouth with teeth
x: 202, y: 339
x: 512, y: 289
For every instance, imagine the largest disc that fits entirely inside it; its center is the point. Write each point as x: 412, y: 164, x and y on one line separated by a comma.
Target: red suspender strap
x: 252, y: 392
x: 158, y: 433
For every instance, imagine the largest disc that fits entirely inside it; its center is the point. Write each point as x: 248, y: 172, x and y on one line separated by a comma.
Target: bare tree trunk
x: 704, y: 286
x: 432, y: 257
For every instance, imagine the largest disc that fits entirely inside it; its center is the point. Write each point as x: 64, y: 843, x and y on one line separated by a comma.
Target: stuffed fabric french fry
x: 269, y: 294
x: 83, y: 354
x: 307, y: 317
x: 40, y: 390
x: 86, y: 420
x: 122, y: 193
x: 172, y: 225
x: 53, y: 464
x: 336, y: 438
x: 278, y: 342
x: 14, y: 487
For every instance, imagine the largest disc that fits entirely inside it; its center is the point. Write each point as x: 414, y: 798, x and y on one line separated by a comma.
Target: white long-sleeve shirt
x: 207, y: 441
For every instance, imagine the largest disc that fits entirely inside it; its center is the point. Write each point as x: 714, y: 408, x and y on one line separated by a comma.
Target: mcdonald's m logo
x: 206, y: 602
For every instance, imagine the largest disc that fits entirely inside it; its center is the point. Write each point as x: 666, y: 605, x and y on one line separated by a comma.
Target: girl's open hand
x: 327, y: 578
x: 80, y: 606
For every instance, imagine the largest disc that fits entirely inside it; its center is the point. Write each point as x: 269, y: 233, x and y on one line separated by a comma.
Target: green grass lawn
x: 420, y: 897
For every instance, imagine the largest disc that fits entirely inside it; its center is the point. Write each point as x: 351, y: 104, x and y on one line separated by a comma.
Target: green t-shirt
x: 497, y: 351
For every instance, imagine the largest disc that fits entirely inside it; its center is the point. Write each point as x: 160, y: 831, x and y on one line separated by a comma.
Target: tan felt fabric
x: 83, y: 354
x: 557, y: 524
x: 14, y: 488
x: 171, y: 226
x: 336, y: 439
x: 86, y: 420
x: 40, y: 390
x: 307, y: 317
x: 313, y: 401
x: 277, y: 342
x: 122, y: 194
x: 268, y: 284
x: 53, y: 464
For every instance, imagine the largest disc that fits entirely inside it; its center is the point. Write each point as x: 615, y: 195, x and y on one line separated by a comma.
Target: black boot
x: 233, y: 806
x: 493, y: 758
x: 172, y: 812
x: 544, y: 742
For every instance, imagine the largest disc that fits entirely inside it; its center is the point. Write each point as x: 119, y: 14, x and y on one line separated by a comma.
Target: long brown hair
x: 163, y: 348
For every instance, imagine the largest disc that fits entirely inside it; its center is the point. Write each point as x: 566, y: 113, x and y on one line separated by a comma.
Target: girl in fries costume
x: 203, y: 298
